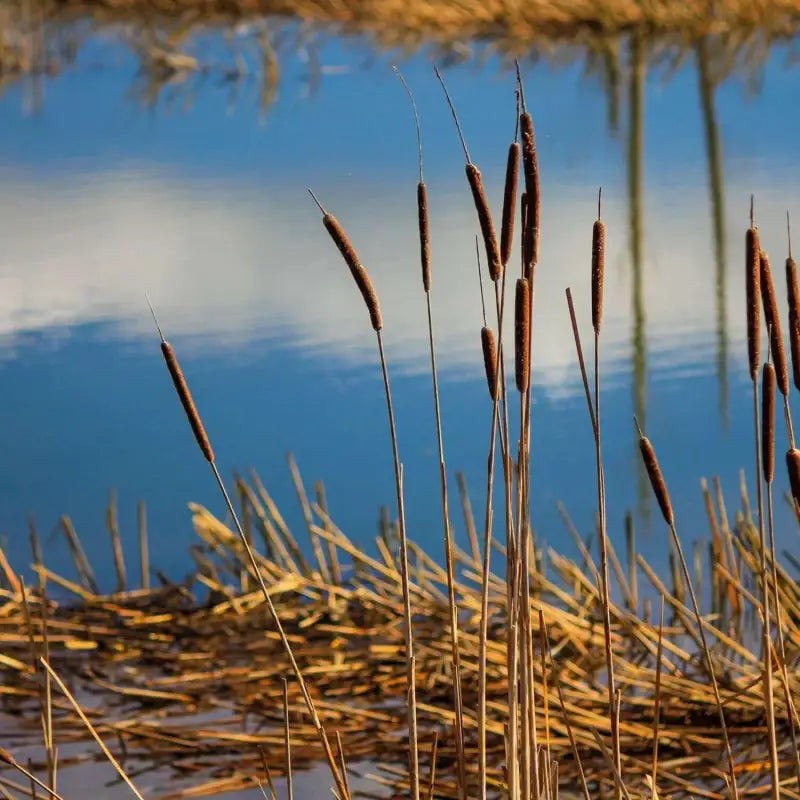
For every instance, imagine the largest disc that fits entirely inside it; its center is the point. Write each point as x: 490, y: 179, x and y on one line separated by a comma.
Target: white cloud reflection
x: 231, y: 263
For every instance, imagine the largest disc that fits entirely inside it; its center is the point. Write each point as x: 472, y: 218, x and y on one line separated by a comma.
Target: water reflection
x: 230, y: 264
x: 207, y: 212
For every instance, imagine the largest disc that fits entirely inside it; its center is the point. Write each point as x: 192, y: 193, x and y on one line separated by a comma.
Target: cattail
x: 792, y: 290
x: 489, y: 347
x: 773, y: 321
x: 530, y: 163
x: 358, y: 272
x: 509, y: 203
x: 794, y: 341
x: 793, y: 293
x: 424, y: 235
x: 793, y: 466
x: 656, y: 478
x: 753, y: 291
x: 522, y: 334
x: 486, y: 223
x: 768, y: 421
x: 527, y: 250
x: 185, y: 396
x: 598, y: 269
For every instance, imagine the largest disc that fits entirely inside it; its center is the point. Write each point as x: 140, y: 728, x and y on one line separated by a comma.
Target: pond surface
x: 197, y: 196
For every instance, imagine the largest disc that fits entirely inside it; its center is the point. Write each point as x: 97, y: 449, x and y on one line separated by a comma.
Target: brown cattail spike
x: 793, y: 467
x: 424, y: 235
x: 485, y: 219
x: 768, y: 421
x: 793, y: 294
x: 656, y: 478
x: 360, y: 276
x: 527, y: 251
x: 598, y: 271
x: 773, y: 322
x: 185, y: 396
x: 489, y: 347
x: 753, y: 292
x: 530, y: 164
x: 522, y: 334
x: 509, y: 203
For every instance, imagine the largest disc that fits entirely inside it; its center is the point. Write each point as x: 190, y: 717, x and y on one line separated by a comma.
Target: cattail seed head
x: 185, y: 396
x: 794, y: 341
x: 753, y: 292
x: 509, y: 203
x: 793, y: 467
x: 522, y: 334
x: 768, y: 422
x: 598, y: 270
x: 793, y: 294
x: 358, y: 272
x: 530, y: 164
x: 485, y: 219
x: 424, y: 235
x: 527, y: 249
x: 773, y: 322
x: 489, y: 347
x: 656, y: 479
x: 792, y: 289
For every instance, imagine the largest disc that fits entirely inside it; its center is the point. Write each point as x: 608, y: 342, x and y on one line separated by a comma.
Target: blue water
x: 200, y: 200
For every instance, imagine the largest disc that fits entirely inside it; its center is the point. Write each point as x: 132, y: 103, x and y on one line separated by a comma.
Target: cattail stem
x: 661, y: 492
x: 287, y: 742
x: 205, y: 448
x: 7, y: 758
x: 411, y: 680
x: 486, y: 573
x: 425, y: 261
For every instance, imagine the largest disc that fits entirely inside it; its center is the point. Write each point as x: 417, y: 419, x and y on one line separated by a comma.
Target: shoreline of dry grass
x: 149, y: 658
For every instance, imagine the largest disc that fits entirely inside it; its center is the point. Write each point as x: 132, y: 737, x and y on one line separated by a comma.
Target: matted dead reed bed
x: 183, y: 677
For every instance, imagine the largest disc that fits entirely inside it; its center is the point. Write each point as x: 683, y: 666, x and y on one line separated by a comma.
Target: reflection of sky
x: 205, y: 208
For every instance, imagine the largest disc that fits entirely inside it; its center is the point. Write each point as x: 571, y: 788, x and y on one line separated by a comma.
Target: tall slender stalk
x: 425, y: 258
x: 203, y: 442
x: 661, y: 492
x: 364, y: 284
x: 496, y: 272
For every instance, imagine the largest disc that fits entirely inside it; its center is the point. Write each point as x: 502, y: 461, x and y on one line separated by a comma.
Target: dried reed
x: 9, y: 759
